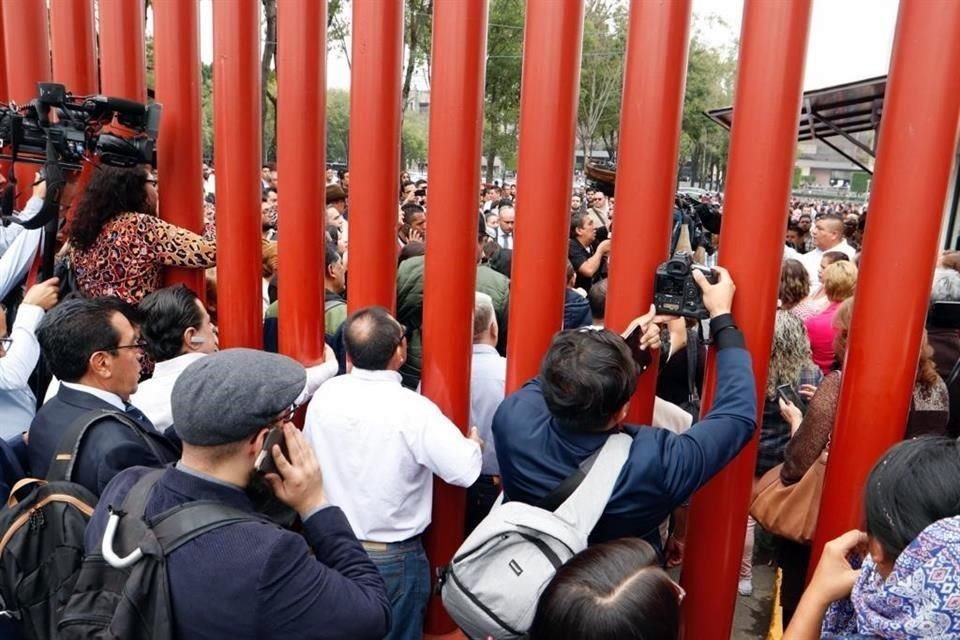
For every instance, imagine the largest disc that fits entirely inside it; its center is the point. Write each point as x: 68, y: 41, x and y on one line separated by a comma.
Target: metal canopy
x: 841, y: 110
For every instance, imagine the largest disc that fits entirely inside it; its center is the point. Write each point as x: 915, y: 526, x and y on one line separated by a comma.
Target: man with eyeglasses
x: 379, y: 445
x: 93, y: 347
x: 253, y: 579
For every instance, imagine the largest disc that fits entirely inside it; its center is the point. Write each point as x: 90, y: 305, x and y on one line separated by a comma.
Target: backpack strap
x: 954, y: 373
x: 565, y: 489
x: 181, y: 524
x: 584, y: 507
x: 693, y: 397
x: 65, y: 456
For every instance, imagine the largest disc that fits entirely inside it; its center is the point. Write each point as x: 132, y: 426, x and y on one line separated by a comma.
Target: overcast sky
x: 849, y: 39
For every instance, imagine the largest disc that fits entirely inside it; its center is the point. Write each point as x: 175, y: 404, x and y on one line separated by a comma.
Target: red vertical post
x: 301, y: 62
x: 26, y: 47
x: 653, y: 84
x: 123, y: 53
x: 74, y: 45
x: 4, y: 95
x: 236, y: 99
x: 549, y: 91
x: 375, y: 151
x: 772, y: 49
x: 917, y: 135
x: 180, y: 145
x: 27, y: 53
x: 456, y: 129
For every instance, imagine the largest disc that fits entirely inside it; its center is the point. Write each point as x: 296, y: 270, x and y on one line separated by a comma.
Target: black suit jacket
x: 108, y: 448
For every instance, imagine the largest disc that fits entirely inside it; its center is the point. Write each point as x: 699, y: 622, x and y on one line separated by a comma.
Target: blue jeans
x: 406, y: 572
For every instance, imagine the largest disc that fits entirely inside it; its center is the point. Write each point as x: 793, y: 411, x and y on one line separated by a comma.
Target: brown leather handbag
x: 790, y: 511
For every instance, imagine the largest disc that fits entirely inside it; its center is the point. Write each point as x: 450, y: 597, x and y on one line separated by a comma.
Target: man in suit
x: 251, y: 579
x: 93, y: 348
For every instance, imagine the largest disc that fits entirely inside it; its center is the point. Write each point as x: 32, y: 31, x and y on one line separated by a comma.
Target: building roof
x: 832, y: 111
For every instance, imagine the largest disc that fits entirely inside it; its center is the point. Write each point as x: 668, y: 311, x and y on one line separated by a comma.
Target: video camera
x: 118, y: 132
x: 61, y: 131
x: 698, y: 217
x: 675, y: 291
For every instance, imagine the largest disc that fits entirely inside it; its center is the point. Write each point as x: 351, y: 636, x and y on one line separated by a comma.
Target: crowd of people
x: 350, y: 496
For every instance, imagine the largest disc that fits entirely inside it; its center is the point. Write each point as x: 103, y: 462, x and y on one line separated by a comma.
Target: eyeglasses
x: 153, y: 181
x: 403, y: 335
x: 139, y: 343
x: 5, y: 343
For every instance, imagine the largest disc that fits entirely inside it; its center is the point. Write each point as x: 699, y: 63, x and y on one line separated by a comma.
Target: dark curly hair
x: 110, y: 192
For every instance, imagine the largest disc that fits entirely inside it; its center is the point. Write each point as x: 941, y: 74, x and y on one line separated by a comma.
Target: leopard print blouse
x: 128, y: 257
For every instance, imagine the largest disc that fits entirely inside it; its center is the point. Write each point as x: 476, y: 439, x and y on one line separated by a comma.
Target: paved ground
x: 752, y: 618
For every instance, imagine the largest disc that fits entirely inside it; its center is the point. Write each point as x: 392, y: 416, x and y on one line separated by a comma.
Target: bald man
x: 827, y: 235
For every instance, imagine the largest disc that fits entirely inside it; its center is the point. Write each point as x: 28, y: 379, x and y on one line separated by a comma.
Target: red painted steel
x: 760, y: 168
x: 301, y: 62
x: 374, y: 151
x: 4, y: 96
x: 123, y: 53
x: 917, y: 141
x: 180, y: 145
x: 236, y: 99
x: 552, y: 42
x: 74, y: 45
x: 654, y: 74
x: 456, y: 129
x: 27, y: 52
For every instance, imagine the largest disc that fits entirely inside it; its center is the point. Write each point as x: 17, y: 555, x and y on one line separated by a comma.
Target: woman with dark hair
x: 906, y: 587
x: 119, y: 245
x: 794, y: 284
x: 610, y: 591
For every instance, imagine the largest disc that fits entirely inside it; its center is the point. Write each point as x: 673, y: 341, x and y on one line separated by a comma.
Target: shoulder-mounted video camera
x: 675, y: 291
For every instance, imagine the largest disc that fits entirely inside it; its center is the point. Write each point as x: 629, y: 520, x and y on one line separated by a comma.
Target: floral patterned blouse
x: 128, y: 257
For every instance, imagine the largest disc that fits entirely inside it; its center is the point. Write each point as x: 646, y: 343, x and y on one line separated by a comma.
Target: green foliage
x: 502, y: 90
x: 414, y: 135
x: 860, y: 182
x: 338, y: 125
x: 601, y: 74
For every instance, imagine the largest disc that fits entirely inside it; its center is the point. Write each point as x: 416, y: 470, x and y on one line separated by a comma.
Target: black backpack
x: 41, y: 535
x: 123, y: 591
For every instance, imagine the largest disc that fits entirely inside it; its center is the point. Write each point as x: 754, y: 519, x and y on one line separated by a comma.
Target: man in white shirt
x: 379, y: 445
x: 177, y: 332
x: 19, y: 352
x: 828, y: 235
x: 488, y: 378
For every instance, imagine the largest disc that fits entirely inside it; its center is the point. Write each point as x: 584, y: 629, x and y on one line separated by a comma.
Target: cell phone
x: 788, y: 393
x: 264, y: 462
x: 642, y: 357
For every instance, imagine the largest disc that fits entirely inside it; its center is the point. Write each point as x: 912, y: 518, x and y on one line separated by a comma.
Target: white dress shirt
x: 505, y: 240
x: 17, y: 403
x: 379, y: 445
x: 488, y: 379
x: 18, y: 256
x: 153, y: 396
x: 811, y: 260
x: 106, y: 396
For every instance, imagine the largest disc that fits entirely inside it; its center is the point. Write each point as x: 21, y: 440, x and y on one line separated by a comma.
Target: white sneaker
x: 745, y: 586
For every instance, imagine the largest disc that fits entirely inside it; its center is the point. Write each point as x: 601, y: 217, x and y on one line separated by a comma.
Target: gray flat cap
x: 227, y: 396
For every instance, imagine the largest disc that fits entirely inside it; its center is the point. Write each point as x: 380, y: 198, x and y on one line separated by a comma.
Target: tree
x: 414, y: 136
x: 601, y: 74
x: 502, y: 91
x: 338, y: 125
x: 266, y: 71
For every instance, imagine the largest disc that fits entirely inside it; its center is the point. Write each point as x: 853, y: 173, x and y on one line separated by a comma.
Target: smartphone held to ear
x: 264, y: 462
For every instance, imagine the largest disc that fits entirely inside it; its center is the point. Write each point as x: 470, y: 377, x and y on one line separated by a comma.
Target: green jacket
x: 410, y: 310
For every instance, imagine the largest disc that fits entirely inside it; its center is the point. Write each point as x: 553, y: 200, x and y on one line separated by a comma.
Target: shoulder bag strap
x: 65, y: 456
x: 185, y: 522
x: 565, y: 489
x: 954, y: 374
x: 692, y: 347
x: 586, y: 504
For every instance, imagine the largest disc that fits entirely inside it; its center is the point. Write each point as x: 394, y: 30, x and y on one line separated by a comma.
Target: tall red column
x: 917, y: 135
x: 456, y: 131
x: 375, y: 152
x: 27, y: 53
x: 763, y: 139
x: 26, y: 47
x: 180, y: 144
x: 654, y: 75
x: 301, y: 62
x: 4, y: 95
x: 236, y: 99
x: 552, y: 42
x: 74, y: 45
x: 123, y: 53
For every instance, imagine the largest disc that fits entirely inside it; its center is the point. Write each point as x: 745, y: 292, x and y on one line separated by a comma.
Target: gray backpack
x: 492, y: 586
